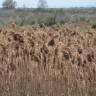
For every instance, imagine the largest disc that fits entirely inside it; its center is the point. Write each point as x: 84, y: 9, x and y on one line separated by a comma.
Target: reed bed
x: 48, y: 61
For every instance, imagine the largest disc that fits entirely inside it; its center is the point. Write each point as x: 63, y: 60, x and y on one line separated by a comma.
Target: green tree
x: 9, y: 4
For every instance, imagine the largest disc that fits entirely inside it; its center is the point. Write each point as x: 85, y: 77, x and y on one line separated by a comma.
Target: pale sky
x: 56, y: 3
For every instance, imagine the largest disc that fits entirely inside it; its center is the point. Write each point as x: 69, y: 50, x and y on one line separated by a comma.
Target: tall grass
x: 47, y: 61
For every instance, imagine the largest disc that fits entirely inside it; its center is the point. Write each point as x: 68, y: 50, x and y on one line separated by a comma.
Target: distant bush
x: 2, y: 23
x: 50, y: 21
x: 77, y: 18
x: 24, y: 20
x: 82, y: 18
x: 62, y: 22
x: 94, y: 25
x: 20, y: 20
x: 32, y: 22
x: 67, y: 18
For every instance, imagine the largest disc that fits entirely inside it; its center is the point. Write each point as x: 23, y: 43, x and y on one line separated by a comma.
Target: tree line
x: 11, y: 4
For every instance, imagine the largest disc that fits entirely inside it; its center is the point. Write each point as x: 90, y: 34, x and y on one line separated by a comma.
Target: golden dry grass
x: 48, y: 61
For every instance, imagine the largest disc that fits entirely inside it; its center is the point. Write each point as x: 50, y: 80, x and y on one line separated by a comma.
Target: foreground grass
x: 47, y: 61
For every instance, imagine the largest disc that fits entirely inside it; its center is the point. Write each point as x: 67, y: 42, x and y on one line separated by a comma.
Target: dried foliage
x: 47, y: 61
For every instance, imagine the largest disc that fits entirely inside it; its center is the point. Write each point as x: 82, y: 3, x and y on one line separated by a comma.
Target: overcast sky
x: 57, y: 3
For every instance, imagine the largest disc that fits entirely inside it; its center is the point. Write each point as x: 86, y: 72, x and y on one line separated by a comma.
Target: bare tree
x: 10, y: 4
x: 42, y: 4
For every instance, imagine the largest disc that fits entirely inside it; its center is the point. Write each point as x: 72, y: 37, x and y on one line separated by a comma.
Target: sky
x: 56, y: 3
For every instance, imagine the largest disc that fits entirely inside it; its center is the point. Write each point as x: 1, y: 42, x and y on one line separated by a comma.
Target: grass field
x: 50, y: 61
